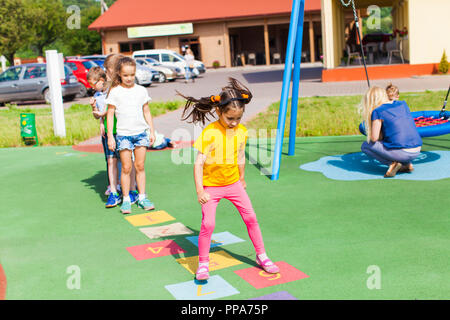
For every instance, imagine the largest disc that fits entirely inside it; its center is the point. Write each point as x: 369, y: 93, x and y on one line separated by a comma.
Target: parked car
x: 145, y: 76
x: 98, y: 59
x: 166, y: 73
x: 169, y: 57
x: 80, y: 69
x: 30, y: 82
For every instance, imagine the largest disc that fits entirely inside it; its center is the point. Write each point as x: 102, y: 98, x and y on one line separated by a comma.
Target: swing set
x: 428, y: 123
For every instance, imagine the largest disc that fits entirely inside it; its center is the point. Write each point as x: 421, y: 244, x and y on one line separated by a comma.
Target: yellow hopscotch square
x: 149, y: 218
x: 217, y: 260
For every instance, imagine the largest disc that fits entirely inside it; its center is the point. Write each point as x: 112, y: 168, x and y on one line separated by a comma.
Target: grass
x: 317, y: 116
x: 80, y: 124
x: 336, y: 116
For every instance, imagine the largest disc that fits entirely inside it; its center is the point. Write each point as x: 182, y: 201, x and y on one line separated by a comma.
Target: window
x: 35, y: 72
x: 12, y: 74
x: 73, y: 66
x: 169, y: 58
x: 89, y: 64
x: 126, y: 47
x: 153, y: 56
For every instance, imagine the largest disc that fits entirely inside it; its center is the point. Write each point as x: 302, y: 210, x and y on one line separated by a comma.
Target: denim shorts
x: 131, y: 142
x: 108, y: 153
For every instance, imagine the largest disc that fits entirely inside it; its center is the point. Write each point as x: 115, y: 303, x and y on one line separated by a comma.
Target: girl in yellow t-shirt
x: 220, y: 166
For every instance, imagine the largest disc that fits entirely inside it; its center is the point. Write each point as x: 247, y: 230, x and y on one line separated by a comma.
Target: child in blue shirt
x: 97, y: 79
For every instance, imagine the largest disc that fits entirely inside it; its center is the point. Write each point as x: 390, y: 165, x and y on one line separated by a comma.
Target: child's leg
x: 208, y: 222
x: 139, y: 165
x: 125, y: 158
x: 239, y: 197
x: 105, y: 152
x: 112, y: 173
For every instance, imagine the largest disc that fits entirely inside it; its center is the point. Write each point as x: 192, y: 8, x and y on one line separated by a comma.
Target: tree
x: 443, y: 65
x: 83, y: 41
x: 48, y: 22
x: 15, y: 27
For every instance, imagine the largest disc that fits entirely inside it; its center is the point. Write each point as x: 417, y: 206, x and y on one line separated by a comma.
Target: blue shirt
x: 399, y: 130
x: 100, y: 98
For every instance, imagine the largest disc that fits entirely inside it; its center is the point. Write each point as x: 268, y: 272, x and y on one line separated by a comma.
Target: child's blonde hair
x: 392, y: 91
x: 373, y: 98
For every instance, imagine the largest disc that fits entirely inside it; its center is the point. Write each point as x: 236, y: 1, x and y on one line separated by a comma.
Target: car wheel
x: 82, y: 93
x: 162, y: 77
x: 46, y: 95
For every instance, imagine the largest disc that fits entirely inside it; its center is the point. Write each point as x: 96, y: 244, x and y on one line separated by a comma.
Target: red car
x: 80, y: 68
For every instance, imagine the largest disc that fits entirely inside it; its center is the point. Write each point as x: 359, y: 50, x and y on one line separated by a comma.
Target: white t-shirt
x: 129, y: 113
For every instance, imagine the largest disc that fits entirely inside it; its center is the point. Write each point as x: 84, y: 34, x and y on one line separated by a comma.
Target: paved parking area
x: 265, y: 82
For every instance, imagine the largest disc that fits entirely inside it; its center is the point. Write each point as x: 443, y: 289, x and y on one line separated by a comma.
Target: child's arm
x: 202, y: 196
x: 241, y: 166
x: 110, y: 126
x: 148, y: 118
x: 98, y: 114
x: 102, y: 127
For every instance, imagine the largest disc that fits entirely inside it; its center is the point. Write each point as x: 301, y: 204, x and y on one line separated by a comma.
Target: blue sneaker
x: 113, y: 200
x: 126, y: 207
x: 146, y: 204
x: 134, y: 196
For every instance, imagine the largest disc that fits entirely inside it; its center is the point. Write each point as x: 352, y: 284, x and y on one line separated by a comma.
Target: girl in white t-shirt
x: 129, y: 103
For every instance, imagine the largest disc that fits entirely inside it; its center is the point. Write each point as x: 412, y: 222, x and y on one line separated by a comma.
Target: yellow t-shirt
x: 221, y: 147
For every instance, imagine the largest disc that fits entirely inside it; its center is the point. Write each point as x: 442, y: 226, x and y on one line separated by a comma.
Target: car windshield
x: 89, y: 64
x: 67, y: 70
x: 179, y: 55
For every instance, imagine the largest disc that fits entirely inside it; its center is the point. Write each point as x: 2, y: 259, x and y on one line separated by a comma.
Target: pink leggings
x: 238, y: 196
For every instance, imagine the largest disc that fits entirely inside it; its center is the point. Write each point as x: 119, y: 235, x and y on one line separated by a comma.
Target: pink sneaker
x: 268, y: 265
x: 202, y: 273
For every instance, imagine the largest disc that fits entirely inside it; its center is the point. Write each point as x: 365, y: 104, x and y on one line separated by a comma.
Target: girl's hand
x: 152, y: 138
x: 244, y: 184
x: 97, y: 114
x: 203, y: 197
x: 111, y: 143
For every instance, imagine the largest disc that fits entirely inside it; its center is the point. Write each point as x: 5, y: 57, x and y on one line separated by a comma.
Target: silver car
x: 30, y: 82
x: 166, y: 73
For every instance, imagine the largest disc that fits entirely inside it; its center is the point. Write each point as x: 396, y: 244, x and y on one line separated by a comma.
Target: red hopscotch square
x: 154, y: 250
x: 258, y: 278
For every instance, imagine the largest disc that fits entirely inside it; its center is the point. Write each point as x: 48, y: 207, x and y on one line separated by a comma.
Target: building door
x: 192, y: 43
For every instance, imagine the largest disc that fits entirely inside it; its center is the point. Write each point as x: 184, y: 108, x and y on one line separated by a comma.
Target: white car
x: 166, y: 73
x: 169, y: 57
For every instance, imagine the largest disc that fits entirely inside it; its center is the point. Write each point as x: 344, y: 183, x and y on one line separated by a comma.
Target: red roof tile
x: 127, y: 13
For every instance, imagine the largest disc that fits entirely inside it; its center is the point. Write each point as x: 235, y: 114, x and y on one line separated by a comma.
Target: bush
x: 216, y: 64
x: 443, y: 65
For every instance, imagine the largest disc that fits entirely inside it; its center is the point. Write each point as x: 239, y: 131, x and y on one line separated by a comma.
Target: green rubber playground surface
x: 53, y: 222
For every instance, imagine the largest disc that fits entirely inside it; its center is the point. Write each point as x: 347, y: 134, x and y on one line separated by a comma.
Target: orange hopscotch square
x: 149, y: 218
x: 155, y: 250
x: 217, y: 260
x: 258, y: 278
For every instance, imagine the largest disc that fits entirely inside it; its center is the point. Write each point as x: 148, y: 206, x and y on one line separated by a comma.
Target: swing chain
x: 352, y: 2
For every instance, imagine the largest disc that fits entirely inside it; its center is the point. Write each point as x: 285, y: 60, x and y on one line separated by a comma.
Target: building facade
x: 230, y: 33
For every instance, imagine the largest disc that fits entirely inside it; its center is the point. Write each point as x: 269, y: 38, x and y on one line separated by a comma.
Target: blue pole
x: 296, y: 79
x: 285, y: 90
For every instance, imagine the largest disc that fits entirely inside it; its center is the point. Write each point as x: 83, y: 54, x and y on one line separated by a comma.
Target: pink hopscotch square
x: 155, y: 250
x: 258, y: 278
